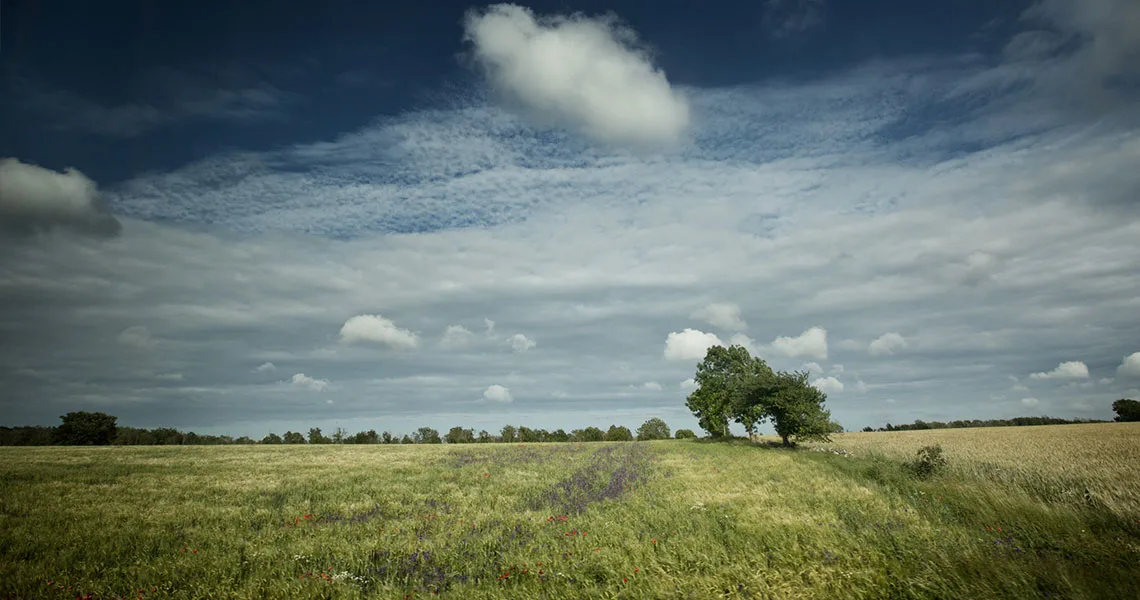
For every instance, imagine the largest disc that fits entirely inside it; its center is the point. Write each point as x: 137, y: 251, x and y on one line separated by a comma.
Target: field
x: 1044, y: 512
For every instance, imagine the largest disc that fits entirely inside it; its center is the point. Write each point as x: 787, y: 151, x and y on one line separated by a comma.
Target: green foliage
x: 684, y: 434
x: 316, y: 437
x: 733, y: 385
x: 293, y: 437
x: 272, y: 438
x: 83, y: 428
x: 653, y: 429
x: 589, y: 434
x: 426, y: 435
x: 618, y: 433
x: 1126, y: 410
x: 508, y: 434
x: 928, y: 461
x: 459, y: 435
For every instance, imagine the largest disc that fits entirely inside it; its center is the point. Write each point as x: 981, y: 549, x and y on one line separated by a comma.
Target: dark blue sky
x: 326, y: 68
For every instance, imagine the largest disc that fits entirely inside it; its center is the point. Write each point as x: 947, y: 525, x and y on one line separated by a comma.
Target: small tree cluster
x: 732, y: 385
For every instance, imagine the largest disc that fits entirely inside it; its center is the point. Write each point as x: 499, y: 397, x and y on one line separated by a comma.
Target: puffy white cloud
x: 375, y: 328
x: 34, y: 198
x: 521, y: 343
x: 1030, y: 401
x: 688, y: 384
x: 136, y: 336
x: 652, y: 386
x: 814, y: 367
x: 265, y: 367
x: 497, y: 393
x: 809, y: 344
x: 586, y: 73
x: 828, y: 385
x: 302, y: 381
x: 456, y: 336
x: 1073, y: 369
x: 1130, y: 367
x: 689, y: 344
x: 724, y: 315
x: 887, y: 344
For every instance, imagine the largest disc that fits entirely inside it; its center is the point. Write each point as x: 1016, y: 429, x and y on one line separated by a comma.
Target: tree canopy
x: 1126, y: 410
x: 653, y: 429
x: 86, y: 429
x: 732, y: 385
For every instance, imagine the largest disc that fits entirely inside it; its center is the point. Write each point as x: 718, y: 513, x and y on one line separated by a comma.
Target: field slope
x: 624, y: 520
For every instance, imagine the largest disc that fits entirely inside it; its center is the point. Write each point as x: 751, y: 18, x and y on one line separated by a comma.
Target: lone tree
x: 684, y: 434
x: 732, y: 385
x: 86, y: 429
x: 1126, y: 410
x: 653, y: 429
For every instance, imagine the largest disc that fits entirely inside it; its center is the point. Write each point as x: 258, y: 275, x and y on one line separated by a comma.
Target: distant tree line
x: 85, y: 429
x: 1014, y: 422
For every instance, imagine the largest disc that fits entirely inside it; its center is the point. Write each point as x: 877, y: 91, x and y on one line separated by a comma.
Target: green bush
x: 928, y: 461
x: 684, y: 434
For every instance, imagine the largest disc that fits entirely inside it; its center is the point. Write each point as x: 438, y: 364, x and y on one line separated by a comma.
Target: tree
x: 508, y: 433
x: 589, y: 434
x: 795, y: 408
x: 339, y: 435
x: 272, y: 438
x: 293, y: 437
x: 723, y: 378
x: 653, y: 429
x: 459, y: 435
x: 315, y: 436
x: 406, y: 439
x: 619, y: 433
x: 387, y: 437
x: 426, y: 435
x: 1126, y: 410
x: 485, y: 437
x: 684, y: 434
x: 86, y: 429
x: 559, y: 435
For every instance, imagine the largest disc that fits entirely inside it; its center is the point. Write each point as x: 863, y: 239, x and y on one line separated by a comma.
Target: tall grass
x: 634, y: 520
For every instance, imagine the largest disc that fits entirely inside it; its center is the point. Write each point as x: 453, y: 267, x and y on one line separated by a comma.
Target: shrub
x: 928, y: 461
x: 685, y: 434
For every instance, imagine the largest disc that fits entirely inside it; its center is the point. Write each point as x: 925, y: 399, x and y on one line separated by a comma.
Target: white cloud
x: 689, y: 344
x: 375, y: 328
x: 456, y: 336
x: 1030, y: 401
x: 497, y: 393
x: 828, y: 385
x: 724, y: 315
x: 652, y: 385
x: 302, y: 381
x: 688, y: 384
x: 860, y: 387
x: 1073, y: 369
x: 1130, y: 367
x: 586, y: 73
x: 490, y: 327
x: 810, y: 344
x: 887, y: 344
x: 813, y: 367
x: 520, y: 343
x: 136, y: 336
x: 34, y: 198
x: 265, y: 367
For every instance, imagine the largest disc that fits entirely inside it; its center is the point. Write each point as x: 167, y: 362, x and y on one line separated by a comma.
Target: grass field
x: 623, y: 520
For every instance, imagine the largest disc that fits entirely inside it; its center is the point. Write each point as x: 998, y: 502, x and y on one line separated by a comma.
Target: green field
x: 672, y: 519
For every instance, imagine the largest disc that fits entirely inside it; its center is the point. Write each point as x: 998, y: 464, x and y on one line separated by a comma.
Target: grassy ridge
x: 645, y: 520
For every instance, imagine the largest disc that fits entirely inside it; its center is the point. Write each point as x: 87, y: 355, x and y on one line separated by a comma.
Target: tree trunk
x: 786, y: 442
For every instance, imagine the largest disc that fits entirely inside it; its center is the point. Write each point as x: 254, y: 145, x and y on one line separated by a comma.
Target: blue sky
x: 246, y: 219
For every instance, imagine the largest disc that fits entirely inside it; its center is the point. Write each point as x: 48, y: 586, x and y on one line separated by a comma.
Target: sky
x: 235, y: 219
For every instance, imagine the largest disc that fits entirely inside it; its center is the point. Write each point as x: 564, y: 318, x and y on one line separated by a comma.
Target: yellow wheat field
x: 1098, y: 462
